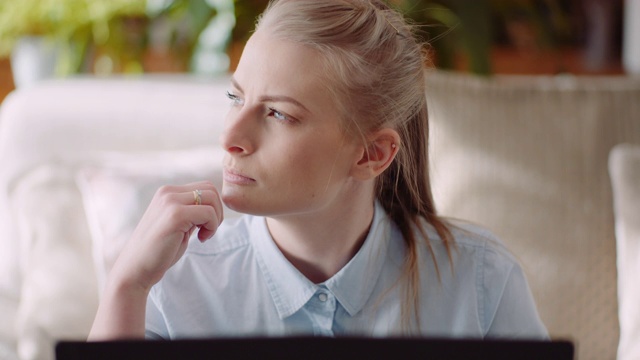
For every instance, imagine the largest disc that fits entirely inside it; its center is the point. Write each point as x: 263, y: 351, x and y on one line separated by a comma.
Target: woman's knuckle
x: 164, y: 190
x: 174, y: 214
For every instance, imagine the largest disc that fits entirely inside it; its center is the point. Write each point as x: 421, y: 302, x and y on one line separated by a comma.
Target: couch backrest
x: 526, y: 156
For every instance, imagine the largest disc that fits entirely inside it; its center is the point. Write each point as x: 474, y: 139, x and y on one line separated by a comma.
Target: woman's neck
x: 321, y: 244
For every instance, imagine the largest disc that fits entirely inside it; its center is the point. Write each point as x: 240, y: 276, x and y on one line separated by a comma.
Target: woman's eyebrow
x: 273, y: 98
x: 283, y: 98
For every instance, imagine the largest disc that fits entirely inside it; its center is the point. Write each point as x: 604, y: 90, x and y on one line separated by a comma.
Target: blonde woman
x: 326, y: 142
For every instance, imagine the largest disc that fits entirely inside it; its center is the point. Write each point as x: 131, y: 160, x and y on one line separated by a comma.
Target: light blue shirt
x: 240, y: 284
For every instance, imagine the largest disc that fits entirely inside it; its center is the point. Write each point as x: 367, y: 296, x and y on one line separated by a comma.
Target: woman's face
x: 287, y: 152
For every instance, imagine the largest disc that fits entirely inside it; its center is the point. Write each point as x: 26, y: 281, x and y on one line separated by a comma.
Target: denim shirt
x: 239, y: 284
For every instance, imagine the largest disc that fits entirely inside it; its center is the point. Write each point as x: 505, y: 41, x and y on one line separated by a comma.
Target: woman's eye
x: 278, y: 115
x: 234, y: 98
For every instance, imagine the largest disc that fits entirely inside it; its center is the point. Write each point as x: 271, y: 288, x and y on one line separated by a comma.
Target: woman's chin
x: 239, y: 203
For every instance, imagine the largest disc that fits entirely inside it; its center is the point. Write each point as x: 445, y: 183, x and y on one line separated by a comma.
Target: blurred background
x: 46, y: 38
x: 525, y: 156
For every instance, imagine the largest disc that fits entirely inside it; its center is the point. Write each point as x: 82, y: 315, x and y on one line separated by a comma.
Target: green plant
x: 186, y: 28
x: 90, y: 33
x: 471, y: 28
x: 452, y: 27
x: 72, y: 24
x: 246, y: 12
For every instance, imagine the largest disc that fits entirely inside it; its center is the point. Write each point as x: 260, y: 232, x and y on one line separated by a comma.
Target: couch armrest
x: 624, y: 167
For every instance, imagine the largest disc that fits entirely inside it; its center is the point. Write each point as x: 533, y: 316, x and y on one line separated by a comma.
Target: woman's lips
x: 234, y: 177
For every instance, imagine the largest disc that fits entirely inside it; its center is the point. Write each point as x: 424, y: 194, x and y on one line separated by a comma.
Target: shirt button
x: 322, y: 297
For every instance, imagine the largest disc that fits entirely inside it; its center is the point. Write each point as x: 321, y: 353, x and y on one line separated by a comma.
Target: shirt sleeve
x: 509, y: 310
x: 155, y: 326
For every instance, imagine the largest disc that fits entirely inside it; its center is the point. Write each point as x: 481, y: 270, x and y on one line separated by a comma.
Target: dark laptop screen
x: 317, y: 348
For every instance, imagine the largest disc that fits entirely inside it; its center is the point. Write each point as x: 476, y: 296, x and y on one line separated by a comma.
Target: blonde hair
x: 376, y: 70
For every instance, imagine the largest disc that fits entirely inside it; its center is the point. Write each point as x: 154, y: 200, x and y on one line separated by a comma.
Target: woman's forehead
x: 272, y: 65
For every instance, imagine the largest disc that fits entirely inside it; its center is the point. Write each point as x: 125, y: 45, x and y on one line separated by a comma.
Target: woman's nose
x: 239, y: 132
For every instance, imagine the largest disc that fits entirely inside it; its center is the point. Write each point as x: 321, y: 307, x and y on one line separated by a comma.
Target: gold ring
x: 197, y: 197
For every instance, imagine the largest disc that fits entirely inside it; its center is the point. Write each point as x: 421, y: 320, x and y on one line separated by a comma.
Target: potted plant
x: 111, y: 36
x: 57, y: 32
x: 518, y: 37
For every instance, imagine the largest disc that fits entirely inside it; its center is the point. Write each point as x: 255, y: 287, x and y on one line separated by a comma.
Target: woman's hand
x: 158, y: 242
x: 162, y: 235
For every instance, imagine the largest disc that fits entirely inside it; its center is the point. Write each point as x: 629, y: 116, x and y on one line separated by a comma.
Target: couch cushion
x: 59, y: 295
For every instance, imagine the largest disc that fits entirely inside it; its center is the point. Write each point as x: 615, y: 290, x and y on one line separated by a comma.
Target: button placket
x: 323, y: 312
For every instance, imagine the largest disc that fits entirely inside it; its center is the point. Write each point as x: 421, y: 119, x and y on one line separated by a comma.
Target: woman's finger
x: 205, y: 218
x: 199, y: 197
x: 198, y: 193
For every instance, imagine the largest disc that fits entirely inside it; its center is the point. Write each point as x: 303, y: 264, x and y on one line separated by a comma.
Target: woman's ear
x: 380, y: 151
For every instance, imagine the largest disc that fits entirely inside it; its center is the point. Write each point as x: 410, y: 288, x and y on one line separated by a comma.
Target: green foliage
x: 118, y: 30
x: 188, y: 19
x: 247, y: 12
x: 471, y: 27
x: 452, y: 27
x: 62, y: 19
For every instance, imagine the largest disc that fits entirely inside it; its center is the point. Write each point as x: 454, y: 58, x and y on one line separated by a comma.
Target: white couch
x: 103, y: 143
x: 526, y: 157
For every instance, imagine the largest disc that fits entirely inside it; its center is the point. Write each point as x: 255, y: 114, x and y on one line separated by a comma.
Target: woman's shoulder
x: 468, y: 234
x: 472, y: 248
x: 470, y: 237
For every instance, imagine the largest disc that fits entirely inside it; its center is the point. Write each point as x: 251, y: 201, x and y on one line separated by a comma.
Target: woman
x: 326, y: 146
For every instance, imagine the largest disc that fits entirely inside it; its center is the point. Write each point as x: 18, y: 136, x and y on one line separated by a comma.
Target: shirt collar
x: 352, y: 285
